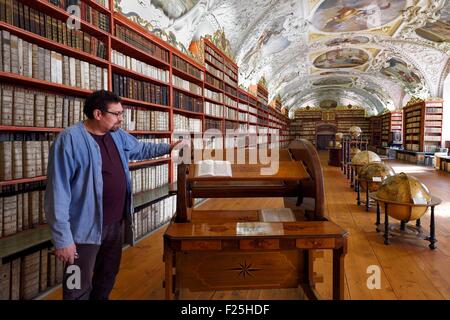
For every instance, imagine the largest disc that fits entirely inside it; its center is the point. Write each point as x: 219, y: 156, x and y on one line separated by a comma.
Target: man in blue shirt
x: 89, y: 195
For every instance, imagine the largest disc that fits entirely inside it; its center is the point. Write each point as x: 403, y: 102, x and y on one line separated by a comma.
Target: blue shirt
x: 73, y: 197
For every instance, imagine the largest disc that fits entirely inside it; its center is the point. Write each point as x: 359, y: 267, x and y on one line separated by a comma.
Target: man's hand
x: 175, y: 143
x: 67, y: 254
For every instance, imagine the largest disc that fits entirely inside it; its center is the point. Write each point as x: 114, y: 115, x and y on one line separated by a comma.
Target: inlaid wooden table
x: 250, y: 255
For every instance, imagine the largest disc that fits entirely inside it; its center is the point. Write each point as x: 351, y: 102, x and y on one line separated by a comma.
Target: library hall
x: 194, y: 150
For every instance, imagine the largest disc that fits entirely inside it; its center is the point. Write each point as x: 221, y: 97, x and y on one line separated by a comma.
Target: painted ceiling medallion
x: 341, y: 58
x: 399, y: 70
x: 356, y: 15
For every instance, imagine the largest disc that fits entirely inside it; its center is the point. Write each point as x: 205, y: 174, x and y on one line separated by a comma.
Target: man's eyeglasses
x: 117, y: 114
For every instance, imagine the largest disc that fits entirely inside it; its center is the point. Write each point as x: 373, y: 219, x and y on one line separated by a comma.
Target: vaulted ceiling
x: 372, y: 53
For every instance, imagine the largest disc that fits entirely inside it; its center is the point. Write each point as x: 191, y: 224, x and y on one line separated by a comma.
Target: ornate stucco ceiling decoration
x: 377, y: 52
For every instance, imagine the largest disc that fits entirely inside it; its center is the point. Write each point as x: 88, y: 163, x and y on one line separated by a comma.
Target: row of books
x: 214, y: 82
x: 230, y: 90
x: 32, y: 20
x: 413, y: 119
x: 140, y: 90
x: 213, y: 109
x: 87, y: 13
x: 412, y: 108
x: 216, y: 96
x: 25, y: 277
x: 308, y: 115
x: 433, y: 123
x: 243, y: 106
x: 433, y: 117
x: 139, y: 66
x: 434, y: 110
x: 186, y: 85
x: 443, y: 164
x: 154, y: 216
x: 433, y: 130
x: 252, y: 110
x: 413, y: 130
x: 412, y: 137
x: 412, y: 147
x: 227, y: 100
x: 252, y: 118
x: 229, y: 80
x: 230, y: 113
x: 437, y: 138
x: 212, y: 60
x: 230, y: 125
x: 230, y: 69
x: 185, y: 102
x: 213, y: 124
x: 140, y: 42
x: 351, y: 113
x: 21, y: 212
x: 214, y: 71
x: 31, y: 108
x: 145, y: 120
x: 243, y: 116
x: 415, y: 113
x: 29, y: 60
x: 181, y: 64
x: 210, y: 51
x: 149, y: 178
x: 186, y: 124
x: 23, y: 159
x: 413, y: 125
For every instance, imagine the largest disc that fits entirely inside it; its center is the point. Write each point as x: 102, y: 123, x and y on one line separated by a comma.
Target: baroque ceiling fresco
x: 373, y: 53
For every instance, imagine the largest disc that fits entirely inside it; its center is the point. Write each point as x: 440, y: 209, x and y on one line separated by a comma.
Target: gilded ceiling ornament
x: 414, y: 100
x: 263, y: 82
x: 416, y: 16
x: 220, y: 41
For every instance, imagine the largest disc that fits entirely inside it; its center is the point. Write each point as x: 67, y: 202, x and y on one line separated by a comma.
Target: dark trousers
x: 94, y: 272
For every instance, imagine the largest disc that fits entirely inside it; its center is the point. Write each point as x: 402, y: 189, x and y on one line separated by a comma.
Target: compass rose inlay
x: 245, y: 269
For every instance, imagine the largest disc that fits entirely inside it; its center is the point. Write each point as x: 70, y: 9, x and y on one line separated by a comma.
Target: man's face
x: 113, y: 118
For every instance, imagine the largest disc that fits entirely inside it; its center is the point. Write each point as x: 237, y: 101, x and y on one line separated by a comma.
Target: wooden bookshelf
x: 375, y: 130
x: 390, y: 122
x: 422, y: 126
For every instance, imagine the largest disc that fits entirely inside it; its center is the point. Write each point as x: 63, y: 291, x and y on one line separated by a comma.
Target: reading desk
x: 230, y: 250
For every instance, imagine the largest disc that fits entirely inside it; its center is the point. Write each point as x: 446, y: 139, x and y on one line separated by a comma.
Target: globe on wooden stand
x: 355, y: 132
x: 358, y: 161
x: 405, y: 198
x: 370, y: 177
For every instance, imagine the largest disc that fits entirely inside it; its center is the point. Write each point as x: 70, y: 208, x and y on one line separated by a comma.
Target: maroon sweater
x: 114, y: 180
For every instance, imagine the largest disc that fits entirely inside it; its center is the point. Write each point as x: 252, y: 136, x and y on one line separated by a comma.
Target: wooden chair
x: 312, y: 199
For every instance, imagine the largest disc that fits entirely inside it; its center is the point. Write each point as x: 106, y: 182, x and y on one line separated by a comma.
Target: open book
x: 214, y: 168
